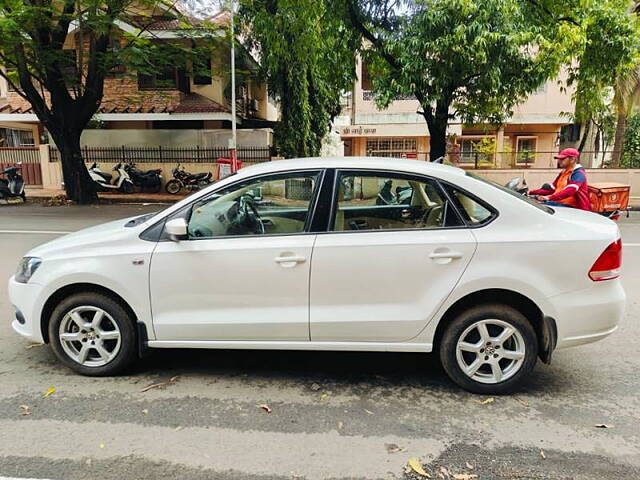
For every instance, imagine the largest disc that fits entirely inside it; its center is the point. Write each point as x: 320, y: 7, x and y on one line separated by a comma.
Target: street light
x: 233, y: 141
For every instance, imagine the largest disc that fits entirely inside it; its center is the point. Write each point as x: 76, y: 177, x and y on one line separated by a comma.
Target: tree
x: 307, y: 58
x: 471, y: 60
x: 65, y: 87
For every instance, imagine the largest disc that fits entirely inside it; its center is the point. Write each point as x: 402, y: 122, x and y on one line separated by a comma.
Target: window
x: 164, y: 79
x: 202, y: 72
x: 472, y: 151
x: 474, y: 212
x: 368, y: 201
x: 397, y: 147
x: 526, y: 150
x: 365, y: 78
x: 11, y: 137
x: 276, y: 204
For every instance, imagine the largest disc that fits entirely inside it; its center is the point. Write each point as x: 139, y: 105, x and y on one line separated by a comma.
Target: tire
x: 97, y: 339
x: 480, y: 345
x: 173, y: 187
x: 24, y: 197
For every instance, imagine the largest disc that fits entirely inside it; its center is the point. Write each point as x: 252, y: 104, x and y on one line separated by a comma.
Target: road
x: 333, y: 415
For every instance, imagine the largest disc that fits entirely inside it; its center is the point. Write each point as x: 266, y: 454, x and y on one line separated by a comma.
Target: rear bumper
x: 24, y: 300
x: 588, y: 315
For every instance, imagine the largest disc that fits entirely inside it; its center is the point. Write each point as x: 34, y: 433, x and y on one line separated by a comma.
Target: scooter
x: 386, y: 196
x: 149, y: 181
x: 514, y: 184
x: 13, y: 185
x: 105, y: 181
x: 186, y: 180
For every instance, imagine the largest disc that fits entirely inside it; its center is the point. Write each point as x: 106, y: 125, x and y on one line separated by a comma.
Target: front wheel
x: 489, y: 349
x: 173, y: 187
x: 93, y: 334
x: 127, y: 187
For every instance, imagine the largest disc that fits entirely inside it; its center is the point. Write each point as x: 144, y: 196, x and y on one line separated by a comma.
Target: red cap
x: 568, y: 152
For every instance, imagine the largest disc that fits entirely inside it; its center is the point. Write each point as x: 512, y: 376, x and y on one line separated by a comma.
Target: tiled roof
x: 159, y: 23
x: 194, y: 103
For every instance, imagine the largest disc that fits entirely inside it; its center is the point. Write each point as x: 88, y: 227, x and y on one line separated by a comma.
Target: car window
x: 275, y: 204
x: 473, y: 212
x: 369, y: 201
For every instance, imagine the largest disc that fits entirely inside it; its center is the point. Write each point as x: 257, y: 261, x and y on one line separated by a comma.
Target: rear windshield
x: 524, y: 198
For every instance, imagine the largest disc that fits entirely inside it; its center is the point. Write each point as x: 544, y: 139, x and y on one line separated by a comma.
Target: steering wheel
x: 249, y: 214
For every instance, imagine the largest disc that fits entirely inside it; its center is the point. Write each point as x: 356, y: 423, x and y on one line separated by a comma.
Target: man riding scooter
x: 569, y: 189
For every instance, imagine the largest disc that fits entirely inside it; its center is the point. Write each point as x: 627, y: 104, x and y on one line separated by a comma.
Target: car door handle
x: 291, y: 259
x: 451, y: 255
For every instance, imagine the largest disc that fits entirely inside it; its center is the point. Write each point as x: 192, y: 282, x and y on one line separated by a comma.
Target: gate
x: 28, y: 157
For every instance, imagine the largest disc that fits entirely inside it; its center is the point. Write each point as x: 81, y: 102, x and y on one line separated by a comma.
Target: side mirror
x: 176, y: 229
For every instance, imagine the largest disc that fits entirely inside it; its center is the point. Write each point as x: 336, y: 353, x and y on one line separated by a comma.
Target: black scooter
x: 13, y: 185
x: 148, y: 181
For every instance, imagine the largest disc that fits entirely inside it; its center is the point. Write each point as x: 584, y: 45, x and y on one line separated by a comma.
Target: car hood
x: 97, y: 235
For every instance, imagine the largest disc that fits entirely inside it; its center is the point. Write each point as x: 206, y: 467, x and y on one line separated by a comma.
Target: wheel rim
x: 490, y: 351
x: 89, y: 336
x: 173, y: 187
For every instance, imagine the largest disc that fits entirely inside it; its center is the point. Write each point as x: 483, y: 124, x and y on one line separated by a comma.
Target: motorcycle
x: 186, y: 180
x: 106, y: 182
x: 514, y: 184
x: 13, y: 185
x: 149, y: 181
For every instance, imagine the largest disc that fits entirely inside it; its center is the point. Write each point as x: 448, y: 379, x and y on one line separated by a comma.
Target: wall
x: 174, y: 138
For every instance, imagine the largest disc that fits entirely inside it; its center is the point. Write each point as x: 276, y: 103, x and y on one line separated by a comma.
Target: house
x: 172, y: 107
x: 530, y: 137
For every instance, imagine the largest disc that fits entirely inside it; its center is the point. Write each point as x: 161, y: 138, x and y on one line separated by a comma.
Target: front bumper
x: 588, y: 315
x: 24, y: 297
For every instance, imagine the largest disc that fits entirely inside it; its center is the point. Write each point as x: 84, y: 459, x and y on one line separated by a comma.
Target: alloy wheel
x: 490, y: 351
x: 89, y: 336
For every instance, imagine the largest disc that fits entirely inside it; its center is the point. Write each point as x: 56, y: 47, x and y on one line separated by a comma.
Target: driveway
x: 332, y: 415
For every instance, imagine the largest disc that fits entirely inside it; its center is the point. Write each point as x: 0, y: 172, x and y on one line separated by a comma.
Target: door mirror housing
x: 176, y: 229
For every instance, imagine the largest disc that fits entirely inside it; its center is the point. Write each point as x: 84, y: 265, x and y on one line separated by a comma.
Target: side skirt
x: 318, y: 346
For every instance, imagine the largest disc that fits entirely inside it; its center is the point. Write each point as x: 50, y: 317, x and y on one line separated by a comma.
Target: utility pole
x: 233, y: 141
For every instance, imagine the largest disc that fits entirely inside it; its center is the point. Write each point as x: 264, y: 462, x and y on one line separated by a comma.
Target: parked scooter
x: 186, y: 180
x: 13, y: 185
x: 106, y: 182
x: 148, y: 181
x: 514, y: 184
x: 402, y: 195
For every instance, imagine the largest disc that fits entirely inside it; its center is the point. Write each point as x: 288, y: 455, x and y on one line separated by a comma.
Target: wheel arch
x: 56, y: 297
x: 545, y: 327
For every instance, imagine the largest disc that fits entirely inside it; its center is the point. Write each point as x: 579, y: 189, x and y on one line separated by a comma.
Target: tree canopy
x: 307, y: 56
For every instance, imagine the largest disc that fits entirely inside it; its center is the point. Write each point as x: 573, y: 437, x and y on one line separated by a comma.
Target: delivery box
x: 609, y: 197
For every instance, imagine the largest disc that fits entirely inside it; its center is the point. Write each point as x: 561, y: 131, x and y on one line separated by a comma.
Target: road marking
x: 631, y: 244
x: 44, y: 232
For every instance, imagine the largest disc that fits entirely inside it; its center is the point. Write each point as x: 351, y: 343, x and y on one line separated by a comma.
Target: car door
x: 396, y: 249
x: 243, y: 271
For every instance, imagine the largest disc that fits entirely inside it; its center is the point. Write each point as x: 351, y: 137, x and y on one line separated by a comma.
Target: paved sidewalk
x: 115, y: 197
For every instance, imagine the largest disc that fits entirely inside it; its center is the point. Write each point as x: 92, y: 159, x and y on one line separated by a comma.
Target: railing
x: 370, y: 95
x: 160, y: 154
x: 19, y: 155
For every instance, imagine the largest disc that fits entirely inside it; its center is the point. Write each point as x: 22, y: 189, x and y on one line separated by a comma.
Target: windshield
x: 524, y: 198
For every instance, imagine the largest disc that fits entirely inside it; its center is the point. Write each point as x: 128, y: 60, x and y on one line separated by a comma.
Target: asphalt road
x: 334, y: 415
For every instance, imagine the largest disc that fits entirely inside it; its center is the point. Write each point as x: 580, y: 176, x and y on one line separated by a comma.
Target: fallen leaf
x: 324, y: 395
x: 416, y: 466
x: 315, y: 387
x: 340, y: 425
x: 33, y: 345
x: 161, y: 384
x: 177, y: 429
x: 26, y: 410
x: 485, y: 401
x: 101, y: 445
x: 469, y: 466
x: 522, y: 402
x: 393, y: 448
x: 145, y: 411
x: 465, y: 476
x: 51, y: 391
x: 368, y: 411
x: 542, y: 454
x: 265, y: 407
x: 603, y: 425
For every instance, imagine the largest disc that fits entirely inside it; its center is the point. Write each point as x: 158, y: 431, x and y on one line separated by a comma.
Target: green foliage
x: 631, y: 155
x: 307, y: 58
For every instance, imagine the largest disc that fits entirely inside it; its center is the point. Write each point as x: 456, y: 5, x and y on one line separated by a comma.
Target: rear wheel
x: 489, y: 349
x: 173, y: 187
x: 93, y: 334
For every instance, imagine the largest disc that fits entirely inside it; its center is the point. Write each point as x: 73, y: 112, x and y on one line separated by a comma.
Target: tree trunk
x: 78, y: 185
x: 618, y: 146
x: 437, y: 125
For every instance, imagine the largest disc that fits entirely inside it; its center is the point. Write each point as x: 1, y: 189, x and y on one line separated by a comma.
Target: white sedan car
x: 332, y: 254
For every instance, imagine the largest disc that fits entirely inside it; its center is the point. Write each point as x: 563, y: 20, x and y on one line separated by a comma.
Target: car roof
x: 381, y: 163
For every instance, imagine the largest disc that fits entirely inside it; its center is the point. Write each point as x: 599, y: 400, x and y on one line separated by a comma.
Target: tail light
x: 607, y: 266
